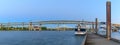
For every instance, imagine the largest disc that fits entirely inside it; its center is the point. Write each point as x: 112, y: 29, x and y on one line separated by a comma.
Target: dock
x: 93, y: 39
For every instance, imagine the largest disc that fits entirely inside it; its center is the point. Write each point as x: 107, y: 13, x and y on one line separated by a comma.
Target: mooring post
x: 108, y: 20
x: 93, y: 27
x: 96, y: 25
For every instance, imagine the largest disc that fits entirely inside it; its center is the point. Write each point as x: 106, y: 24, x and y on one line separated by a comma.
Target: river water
x: 115, y: 35
x: 39, y: 38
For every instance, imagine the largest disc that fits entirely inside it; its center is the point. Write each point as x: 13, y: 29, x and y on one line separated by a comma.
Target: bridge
x: 92, y: 39
x: 30, y: 25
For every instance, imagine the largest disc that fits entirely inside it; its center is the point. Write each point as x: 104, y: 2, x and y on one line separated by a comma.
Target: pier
x: 97, y: 39
x: 32, y: 33
x: 94, y: 39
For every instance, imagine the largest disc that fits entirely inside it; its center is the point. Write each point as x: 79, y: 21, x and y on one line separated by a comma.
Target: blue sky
x: 34, y: 10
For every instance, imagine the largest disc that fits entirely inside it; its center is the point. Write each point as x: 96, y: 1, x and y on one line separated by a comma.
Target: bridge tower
x: 30, y: 26
x: 22, y: 25
x: 8, y: 26
x: 40, y: 27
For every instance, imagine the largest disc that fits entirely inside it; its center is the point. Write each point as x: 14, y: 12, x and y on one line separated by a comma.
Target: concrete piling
x: 30, y: 26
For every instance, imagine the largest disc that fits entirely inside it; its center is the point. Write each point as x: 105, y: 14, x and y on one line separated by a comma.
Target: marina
x: 59, y: 22
x: 94, y: 39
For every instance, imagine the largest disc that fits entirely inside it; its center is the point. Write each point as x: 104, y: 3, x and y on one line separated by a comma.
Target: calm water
x: 115, y: 35
x: 39, y: 38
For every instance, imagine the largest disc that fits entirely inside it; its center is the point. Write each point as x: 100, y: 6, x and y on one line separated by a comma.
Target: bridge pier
x: 58, y: 27
x: 64, y: 27
x: 40, y: 25
x: 8, y: 26
x: 30, y: 26
x: 15, y: 26
x: 1, y: 27
x: 22, y: 25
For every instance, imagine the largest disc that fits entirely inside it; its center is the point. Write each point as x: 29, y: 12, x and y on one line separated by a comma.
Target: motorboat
x: 80, y: 30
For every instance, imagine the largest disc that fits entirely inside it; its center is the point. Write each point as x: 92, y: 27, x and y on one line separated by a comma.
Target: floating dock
x: 93, y: 39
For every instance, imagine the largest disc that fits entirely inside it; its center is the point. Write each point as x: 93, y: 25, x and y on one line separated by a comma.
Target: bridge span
x: 31, y: 24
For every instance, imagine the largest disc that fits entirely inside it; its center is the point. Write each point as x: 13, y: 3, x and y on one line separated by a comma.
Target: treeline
x: 27, y: 29
x: 19, y: 28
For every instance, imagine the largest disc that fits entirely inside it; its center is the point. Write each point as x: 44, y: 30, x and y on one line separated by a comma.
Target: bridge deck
x: 94, y: 39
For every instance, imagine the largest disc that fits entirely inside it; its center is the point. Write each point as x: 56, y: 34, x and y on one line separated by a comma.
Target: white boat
x: 82, y: 31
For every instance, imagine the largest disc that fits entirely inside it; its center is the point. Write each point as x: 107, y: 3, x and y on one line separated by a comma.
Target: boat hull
x: 80, y: 33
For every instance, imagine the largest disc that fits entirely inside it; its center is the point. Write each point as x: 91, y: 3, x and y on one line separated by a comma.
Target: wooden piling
x: 93, y: 27
x: 108, y: 20
x: 96, y: 25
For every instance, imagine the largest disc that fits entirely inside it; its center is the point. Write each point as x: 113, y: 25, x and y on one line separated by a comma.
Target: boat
x: 80, y: 30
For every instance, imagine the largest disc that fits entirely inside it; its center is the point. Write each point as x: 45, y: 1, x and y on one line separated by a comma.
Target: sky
x: 41, y: 10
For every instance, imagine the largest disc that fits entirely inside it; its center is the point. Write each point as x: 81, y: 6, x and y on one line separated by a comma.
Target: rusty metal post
x: 96, y: 25
x: 108, y: 20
